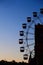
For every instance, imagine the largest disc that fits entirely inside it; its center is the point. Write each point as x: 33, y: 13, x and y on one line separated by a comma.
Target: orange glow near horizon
x: 11, y: 58
x: 16, y: 60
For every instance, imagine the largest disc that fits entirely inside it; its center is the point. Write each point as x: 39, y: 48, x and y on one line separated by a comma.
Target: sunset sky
x: 12, y: 14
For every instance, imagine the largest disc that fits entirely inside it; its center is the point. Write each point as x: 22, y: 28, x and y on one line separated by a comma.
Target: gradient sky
x: 12, y: 14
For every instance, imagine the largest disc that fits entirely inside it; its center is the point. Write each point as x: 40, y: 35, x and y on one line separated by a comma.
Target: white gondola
x: 21, y: 33
x: 41, y: 10
x: 25, y: 56
x: 34, y: 14
x: 21, y: 49
x: 24, y: 26
x: 20, y: 41
x: 28, y: 19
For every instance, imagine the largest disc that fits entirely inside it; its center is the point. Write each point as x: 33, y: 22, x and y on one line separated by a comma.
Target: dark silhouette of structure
x: 3, y: 62
x: 39, y: 44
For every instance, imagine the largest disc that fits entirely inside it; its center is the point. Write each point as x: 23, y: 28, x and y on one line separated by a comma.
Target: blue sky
x: 12, y: 14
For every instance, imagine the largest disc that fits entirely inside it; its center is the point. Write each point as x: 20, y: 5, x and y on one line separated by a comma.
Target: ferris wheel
x: 27, y: 40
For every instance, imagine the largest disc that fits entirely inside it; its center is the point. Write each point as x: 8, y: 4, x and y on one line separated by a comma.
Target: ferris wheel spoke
x: 40, y: 20
x: 31, y: 27
x: 30, y: 33
x: 30, y: 38
x: 31, y: 44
